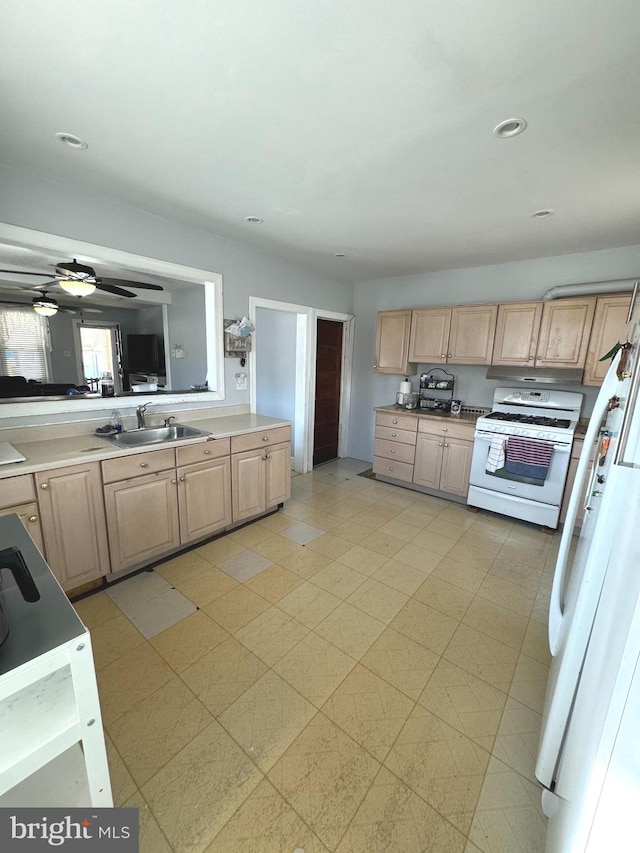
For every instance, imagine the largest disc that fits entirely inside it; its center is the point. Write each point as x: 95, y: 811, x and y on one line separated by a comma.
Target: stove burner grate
x: 536, y: 420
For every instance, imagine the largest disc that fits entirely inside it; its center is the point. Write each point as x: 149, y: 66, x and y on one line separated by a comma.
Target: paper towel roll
x: 405, y: 387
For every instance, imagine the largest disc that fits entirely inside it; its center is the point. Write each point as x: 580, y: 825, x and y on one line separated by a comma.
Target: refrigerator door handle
x: 556, y: 604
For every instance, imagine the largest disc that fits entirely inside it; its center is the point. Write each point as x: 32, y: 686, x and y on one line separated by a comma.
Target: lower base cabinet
x: 204, y: 499
x: 142, y: 518
x: 73, y: 523
x: 443, y: 460
x: 260, y: 479
x: 29, y: 515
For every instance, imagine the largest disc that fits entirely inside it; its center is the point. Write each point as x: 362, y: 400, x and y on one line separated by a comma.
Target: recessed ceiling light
x: 542, y: 214
x: 72, y: 140
x: 254, y: 220
x: 340, y: 255
x: 510, y: 127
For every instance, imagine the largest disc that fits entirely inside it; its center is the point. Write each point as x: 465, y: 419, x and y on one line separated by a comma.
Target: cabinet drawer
x: 452, y: 429
x: 16, y: 490
x: 395, y: 434
x: 253, y: 440
x: 396, y: 470
x: 126, y: 467
x: 390, y: 419
x: 203, y: 452
x: 394, y: 450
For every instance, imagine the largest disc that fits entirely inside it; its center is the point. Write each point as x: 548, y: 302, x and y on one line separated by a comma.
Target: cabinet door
x: 204, y: 499
x: 429, y: 339
x: 473, y: 329
x: 456, y: 466
x: 248, y: 474
x: 392, y: 342
x: 30, y: 518
x: 142, y: 515
x: 73, y: 523
x: 428, y: 464
x: 278, y: 479
x: 564, y: 332
x: 609, y: 327
x: 517, y: 331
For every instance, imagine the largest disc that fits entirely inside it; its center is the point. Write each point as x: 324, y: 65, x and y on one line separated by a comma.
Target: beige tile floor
x: 376, y: 689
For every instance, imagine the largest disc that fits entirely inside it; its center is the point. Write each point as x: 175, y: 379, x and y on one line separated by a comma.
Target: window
x: 24, y: 343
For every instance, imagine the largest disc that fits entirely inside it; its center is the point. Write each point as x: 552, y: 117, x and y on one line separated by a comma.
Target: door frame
x: 305, y: 383
x: 116, y: 355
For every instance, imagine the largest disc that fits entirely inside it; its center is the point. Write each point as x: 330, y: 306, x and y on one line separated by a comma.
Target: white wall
x: 33, y: 202
x: 497, y: 283
x: 276, y: 333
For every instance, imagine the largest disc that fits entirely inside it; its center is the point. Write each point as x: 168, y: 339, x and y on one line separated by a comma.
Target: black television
x: 145, y: 353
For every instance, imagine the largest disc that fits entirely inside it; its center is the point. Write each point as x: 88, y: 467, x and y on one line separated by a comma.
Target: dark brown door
x: 328, y: 374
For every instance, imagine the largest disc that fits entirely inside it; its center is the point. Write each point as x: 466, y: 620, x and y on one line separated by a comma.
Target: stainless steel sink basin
x: 154, y: 435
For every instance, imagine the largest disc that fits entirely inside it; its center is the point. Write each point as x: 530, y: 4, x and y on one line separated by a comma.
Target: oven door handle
x: 489, y: 436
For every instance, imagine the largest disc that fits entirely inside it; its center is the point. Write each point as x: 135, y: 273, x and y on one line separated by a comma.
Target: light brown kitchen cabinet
x: 142, y: 515
x: 18, y: 495
x: 517, y: 331
x: 260, y: 480
x: 29, y: 515
x: 443, y: 456
x: 395, y: 445
x: 564, y: 332
x: 429, y: 338
x: 473, y: 329
x: 73, y: 523
x: 204, y: 499
x: 609, y: 328
x: 392, y: 342
x: 458, y: 334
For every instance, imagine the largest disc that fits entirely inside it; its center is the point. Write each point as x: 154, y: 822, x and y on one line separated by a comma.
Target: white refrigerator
x: 589, y: 754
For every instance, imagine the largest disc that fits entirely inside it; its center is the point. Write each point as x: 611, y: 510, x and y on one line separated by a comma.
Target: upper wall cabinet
x: 609, y: 328
x: 517, y: 333
x: 462, y: 334
x: 429, y: 339
x: 392, y: 342
x: 564, y: 332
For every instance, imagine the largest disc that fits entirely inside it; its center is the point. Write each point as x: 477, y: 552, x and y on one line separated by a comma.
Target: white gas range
x: 525, y: 478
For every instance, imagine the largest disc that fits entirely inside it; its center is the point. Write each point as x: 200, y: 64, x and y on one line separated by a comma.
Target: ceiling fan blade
x: 118, y: 291
x: 44, y: 286
x: 25, y: 272
x: 117, y: 282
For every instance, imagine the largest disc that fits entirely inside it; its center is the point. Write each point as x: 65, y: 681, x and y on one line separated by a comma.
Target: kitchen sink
x: 154, y: 435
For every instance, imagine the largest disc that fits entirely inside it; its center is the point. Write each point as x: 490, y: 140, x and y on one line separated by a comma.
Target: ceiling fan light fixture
x: 77, y: 287
x: 45, y: 306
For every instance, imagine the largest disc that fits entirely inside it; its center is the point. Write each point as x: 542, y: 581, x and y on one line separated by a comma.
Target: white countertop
x: 60, y: 452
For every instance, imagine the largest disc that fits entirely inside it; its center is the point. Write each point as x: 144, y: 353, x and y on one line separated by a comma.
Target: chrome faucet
x: 140, y: 413
x: 167, y: 421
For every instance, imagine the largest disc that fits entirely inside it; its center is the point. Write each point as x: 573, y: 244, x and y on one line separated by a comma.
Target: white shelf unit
x: 53, y: 751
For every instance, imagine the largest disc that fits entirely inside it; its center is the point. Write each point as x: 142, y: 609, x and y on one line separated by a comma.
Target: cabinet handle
x: 440, y: 444
x: 391, y: 467
x: 175, y: 481
x: 444, y: 355
x: 446, y: 445
x: 445, y: 429
x: 44, y: 485
x: 33, y: 518
x: 448, y: 355
x: 392, y: 451
x: 265, y: 438
x: 393, y: 434
x: 394, y: 422
x: 207, y: 452
x: 144, y: 464
x: 183, y: 478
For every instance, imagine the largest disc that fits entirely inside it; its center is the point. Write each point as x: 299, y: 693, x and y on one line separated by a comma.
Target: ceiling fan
x: 81, y: 280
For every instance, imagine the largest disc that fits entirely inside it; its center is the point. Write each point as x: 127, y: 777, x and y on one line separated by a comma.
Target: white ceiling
x: 362, y: 126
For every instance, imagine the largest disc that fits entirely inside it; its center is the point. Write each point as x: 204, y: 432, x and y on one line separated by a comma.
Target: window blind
x: 24, y: 343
